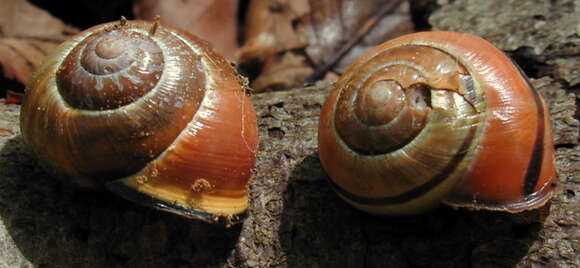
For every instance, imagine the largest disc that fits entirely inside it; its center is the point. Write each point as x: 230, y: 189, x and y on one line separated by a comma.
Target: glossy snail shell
x: 150, y: 111
x: 436, y: 116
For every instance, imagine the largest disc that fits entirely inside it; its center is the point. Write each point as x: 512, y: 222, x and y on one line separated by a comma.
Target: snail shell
x: 149, y: 110
x: 436, y: 116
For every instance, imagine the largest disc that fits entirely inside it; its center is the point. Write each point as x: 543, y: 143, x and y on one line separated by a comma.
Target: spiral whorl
x: 436, y: 116
x: 399, y: 105
x: 116, y: 90
x: 107, y: 70
x: 386, y: 103
x: 149, y: 111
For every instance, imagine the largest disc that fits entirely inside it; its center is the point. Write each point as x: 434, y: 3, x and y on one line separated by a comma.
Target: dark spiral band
x: 126, y: 92
x: 482, y: 138
x: 387, y: 102
x: 411, y: 102
x: 415, y: 192
x: 535, y: 166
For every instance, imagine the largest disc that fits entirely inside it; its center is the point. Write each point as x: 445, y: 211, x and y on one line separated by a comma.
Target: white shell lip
x: 530, y: 202
x: 120, y: 188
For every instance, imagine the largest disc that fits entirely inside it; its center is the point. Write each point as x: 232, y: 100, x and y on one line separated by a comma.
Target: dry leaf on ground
x: 269, y: 28
x: 332, y: 22
x: 213, y: 20
x: 287, y: 71
x: 20, y: 57
x: 315, y: 31
x: 20, y: 19
x: 27, y: 35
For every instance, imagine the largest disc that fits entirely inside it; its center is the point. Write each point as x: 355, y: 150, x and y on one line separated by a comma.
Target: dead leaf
x: 320, y: 30
x: 269, y: 28
x: 20, y: 19
x: 19, y: 58
x: 213, y: 20
x: 332, y: 22
x: 27, y: 35
x: 283, y: 72
x: 13, y: 97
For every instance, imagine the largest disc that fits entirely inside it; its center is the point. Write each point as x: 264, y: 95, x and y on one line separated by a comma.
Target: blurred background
x: 277, y: 44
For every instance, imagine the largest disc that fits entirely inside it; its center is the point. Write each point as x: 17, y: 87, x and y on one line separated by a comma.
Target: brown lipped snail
x: 437, y: 117
x: 150, y: 111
